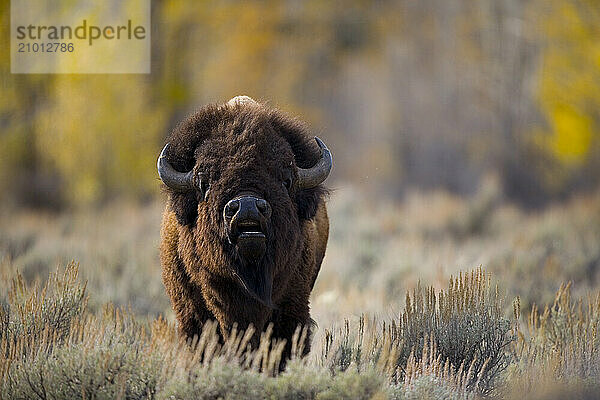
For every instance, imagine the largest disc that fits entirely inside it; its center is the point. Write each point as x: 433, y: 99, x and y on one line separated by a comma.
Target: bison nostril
x: 231, y: 208
x: 261, y: 205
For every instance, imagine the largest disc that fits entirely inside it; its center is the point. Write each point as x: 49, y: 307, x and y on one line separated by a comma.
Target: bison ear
x: 185, y: 207
x: 308, y: 201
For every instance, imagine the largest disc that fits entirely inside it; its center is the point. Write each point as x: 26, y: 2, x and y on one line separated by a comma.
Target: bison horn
x: 311, y: 177
x: 178, y: 181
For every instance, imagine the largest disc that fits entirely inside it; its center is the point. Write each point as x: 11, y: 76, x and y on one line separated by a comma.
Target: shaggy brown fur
x: 238, y: 148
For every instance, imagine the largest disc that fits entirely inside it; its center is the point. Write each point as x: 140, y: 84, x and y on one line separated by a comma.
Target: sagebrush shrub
x: 32, y: 311
x: 465, y: 324
x: 559, y: 351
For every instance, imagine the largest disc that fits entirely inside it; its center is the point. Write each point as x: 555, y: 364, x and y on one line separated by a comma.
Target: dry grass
x: 52, y: 346
x: 381, y: 333
x: 453, y: 343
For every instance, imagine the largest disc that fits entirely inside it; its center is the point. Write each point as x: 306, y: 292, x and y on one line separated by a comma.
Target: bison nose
x: 263, y: 207
x: 246, y: 224
x: 247, y: 208
x: 231, y: 208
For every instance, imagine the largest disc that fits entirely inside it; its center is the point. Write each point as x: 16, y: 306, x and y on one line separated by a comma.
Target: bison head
x: 242, y: 178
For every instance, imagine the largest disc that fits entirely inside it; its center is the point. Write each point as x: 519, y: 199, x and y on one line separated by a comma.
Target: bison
x: 245, y: 227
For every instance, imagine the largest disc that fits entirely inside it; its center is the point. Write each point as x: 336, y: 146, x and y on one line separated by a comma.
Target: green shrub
x: 352, y: 384
x: 221, y: 380
x: 299, y: 381
x: 429, y: 387
x: 33, y: 313
x: 464, y: 323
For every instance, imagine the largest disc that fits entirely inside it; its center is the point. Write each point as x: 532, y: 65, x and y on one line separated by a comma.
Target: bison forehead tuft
x: 241, y: 118
x: 241, y: 100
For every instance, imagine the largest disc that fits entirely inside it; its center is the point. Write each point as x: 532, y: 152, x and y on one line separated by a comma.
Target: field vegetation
x: 403, y: 307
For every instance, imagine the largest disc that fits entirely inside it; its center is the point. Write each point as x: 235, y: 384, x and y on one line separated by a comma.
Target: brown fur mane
x: 214, y: 121
x: 239, y: 149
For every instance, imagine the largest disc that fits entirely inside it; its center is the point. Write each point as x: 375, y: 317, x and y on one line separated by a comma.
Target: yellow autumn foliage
x: 568, y: 90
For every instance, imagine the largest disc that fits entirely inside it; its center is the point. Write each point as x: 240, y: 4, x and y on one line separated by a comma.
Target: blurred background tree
x: 429, y: 94
x: 568, y: 95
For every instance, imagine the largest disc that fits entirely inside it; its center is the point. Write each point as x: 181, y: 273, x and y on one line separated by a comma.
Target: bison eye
x: 203, y: 186
x: 286, y: 180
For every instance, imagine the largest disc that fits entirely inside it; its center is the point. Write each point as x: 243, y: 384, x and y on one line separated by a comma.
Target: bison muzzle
x: 245, y: 228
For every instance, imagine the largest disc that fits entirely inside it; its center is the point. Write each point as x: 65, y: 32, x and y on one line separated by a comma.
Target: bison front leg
x: 286, y: 320
x: 189, y: 306
x: 190, y: 310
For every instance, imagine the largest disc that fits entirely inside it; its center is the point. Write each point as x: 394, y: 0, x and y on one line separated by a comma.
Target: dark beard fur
x: 256, y: 278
